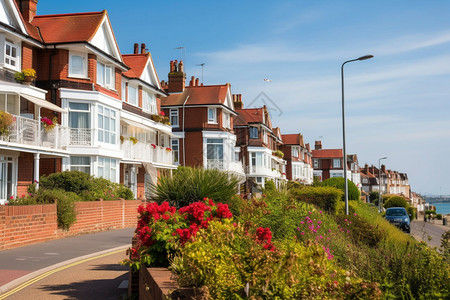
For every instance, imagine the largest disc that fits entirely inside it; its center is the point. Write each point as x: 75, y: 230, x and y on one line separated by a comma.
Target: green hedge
x: 339, y: 183
x: 395, y: 201
x: 326, y: 198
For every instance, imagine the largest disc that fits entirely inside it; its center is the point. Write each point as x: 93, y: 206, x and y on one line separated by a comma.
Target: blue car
x: 399, y: 217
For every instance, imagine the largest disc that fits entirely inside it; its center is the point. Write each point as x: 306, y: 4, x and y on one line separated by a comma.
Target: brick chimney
x: 383, y: 169
x: 177, y: 78
x: 143, y: 48
x: 136, y: 48
x: 28, y: 9
x: 318, y: 145
x: 192, y: 81
x: 237, y: 101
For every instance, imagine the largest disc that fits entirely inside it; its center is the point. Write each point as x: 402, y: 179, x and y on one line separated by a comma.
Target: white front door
x: 6, y: 178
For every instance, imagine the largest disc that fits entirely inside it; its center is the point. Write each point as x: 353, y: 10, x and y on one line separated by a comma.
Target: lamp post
x: 379, y: 183
x: 343, y: 128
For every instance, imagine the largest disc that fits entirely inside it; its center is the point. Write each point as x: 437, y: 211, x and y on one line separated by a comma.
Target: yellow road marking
x: 42, y: 276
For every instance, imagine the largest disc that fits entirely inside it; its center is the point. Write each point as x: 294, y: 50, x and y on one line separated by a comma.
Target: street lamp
x: 343, y: 128
x: 379, y: 183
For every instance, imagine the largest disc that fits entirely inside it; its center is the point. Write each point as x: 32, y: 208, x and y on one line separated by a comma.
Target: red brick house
x: 83, y: 81
x: 298, y: 157
x: 202, y: 118
x: 328, y: 163
x: 260, y: 145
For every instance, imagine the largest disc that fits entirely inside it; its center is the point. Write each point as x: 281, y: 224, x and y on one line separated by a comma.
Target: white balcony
x: 25, y: 131
x: 146, y: 152
x: 263, y: 171
x: 224, y: 165
x: 81, y: 136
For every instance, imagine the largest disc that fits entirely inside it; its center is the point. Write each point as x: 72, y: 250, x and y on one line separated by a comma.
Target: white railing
x: 263, y: 171
x: 146, y: 152
x: 81, y: 136
x: 223, y: 165
x: 31, y: 132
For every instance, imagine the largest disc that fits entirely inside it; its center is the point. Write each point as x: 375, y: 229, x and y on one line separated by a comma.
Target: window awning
x: 43, y: 103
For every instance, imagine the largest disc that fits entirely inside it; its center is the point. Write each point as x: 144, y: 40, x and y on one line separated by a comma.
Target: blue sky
x: 397, y: 104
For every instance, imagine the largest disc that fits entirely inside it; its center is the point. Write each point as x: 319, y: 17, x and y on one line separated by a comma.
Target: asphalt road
x: 99, y: 278
x: 428, y: 232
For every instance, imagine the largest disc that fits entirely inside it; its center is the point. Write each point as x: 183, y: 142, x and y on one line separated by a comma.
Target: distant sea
x: 442, y: 208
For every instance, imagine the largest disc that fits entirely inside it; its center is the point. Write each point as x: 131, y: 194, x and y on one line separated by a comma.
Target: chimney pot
x: 177, y: 78
x: 180, y: 67
x: 136, y: 48
x: 191, y: 82
x: 142, y: 48
x: 196, y: 82
x: 171, y: 66
x: 318, y: 145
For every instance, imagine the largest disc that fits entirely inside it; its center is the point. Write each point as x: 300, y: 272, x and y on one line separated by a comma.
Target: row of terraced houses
x: 93, y: 109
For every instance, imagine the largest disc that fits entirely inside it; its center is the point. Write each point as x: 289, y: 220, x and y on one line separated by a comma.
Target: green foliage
x: 374, y: 197
x: 294, y: 185
x: 339, y: 183
x: 88, y: 187
x: 269, y: 187
x: 396, y: 201
x: 412, y: 211
x: 360, y: 230
x: 188, y: 185
x: 233, y: 265
x: 445, y: 246
x: 326, y: 197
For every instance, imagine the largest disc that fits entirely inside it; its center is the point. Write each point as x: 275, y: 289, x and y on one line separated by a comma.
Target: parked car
x: 399, y: 217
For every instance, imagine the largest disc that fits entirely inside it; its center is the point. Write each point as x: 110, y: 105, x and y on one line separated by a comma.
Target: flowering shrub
x: 6, y: 120
x: 134, y: 140
x: 162, y: 230
x: 168, y: 149
x: 49, y: 124
x: 153, y: 145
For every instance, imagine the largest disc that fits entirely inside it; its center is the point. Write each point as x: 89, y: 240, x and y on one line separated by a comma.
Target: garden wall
x: 30, y: 224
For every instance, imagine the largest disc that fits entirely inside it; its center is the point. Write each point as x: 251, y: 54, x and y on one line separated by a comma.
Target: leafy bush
x: 188, y: 185
x: 374, y: 197
x: 324, y: 197
x: 88, y: 187
x: 339, y: 183
x: 360, y: 230
x: 65, y: 205
x: 294, y: 185
x: 412, y: 211
x: 395, y: 201
x: 269, y: 187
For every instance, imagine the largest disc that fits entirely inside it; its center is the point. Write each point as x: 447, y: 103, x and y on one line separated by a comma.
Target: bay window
x: 149, y: 102
x: 106, y: 125
x: 77, y: 65
x: 107, y: 168
x: 132, y: 95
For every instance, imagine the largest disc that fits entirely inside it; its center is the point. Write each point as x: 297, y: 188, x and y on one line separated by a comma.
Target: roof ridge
x: 69, y: 14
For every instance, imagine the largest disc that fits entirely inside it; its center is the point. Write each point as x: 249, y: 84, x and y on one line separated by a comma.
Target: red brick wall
x: 27, y: 56
x: 25, y: 225
x: 25, y: 176
x: 194, y: 148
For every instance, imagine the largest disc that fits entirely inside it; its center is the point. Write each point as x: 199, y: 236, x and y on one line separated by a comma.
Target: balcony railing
x: 263, y: 171
x: 81, y: 136
x: 223, y: 165
x: 146, y: 152
x: 30, y: 132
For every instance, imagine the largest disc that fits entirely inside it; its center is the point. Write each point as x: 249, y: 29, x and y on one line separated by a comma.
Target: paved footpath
x: 20, y: 265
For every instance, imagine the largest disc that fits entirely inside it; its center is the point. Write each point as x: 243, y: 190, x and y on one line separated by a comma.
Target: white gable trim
x: 9, y: 14
x: 104, y: 39
x: 149, y: 74
x: 229, y: 99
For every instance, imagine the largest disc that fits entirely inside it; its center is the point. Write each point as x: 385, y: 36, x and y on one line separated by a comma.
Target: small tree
x: 396, y: 201
x: 339, y: 183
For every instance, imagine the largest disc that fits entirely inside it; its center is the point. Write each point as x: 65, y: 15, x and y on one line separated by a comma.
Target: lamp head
x: 365, y: 57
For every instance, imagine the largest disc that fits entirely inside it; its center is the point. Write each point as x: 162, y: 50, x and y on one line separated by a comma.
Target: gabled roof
x: 327, y: 153
x: 199, y: 95
x: 253, y: 116
x: 68, y: 28
x: 277, y: 133
x: 142, y: 67
x: 91, y: 27
x: 293, y: 139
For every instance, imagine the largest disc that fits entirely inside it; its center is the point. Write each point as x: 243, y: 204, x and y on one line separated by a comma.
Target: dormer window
x: 212, y: 116
x: 12, y: 55
x: 253, y: 132
x: 105, y: 75
x: 77, y: 65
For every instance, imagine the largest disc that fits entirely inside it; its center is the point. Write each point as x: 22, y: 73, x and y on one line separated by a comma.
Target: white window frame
x: 79, y: 167
x: 109, y: 81
x: 133, y: 94
x: 84, y: 67
x: 124, y: 90
x: 107, y: 114
x: 108, y: 173
x: 337, y: 163
x: 265, y: 137
x: 149, y: 102
x: 212, y: 118
x: 175, y: 145
x: 315, y: 163
x: 174, y: 116
x: 295, y: 151
x: 15, y: 59
x: 251, y: 134
x: 226, y: 120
